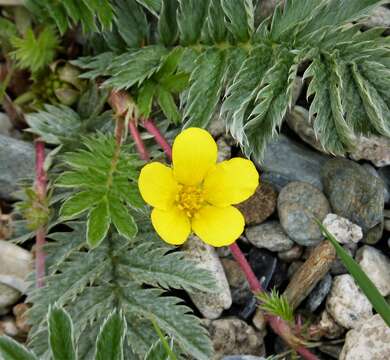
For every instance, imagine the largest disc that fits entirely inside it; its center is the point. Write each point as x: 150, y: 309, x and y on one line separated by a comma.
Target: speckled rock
x: 15, y: 265
x: 232, y: 336
x: 269, y: 235
x: 8, y: 297
x: 286, y: 160
x: 379, y: 16
x: 239, y: 287
x: 369, y: 341
x: 224, y: 150
x: 292, y: 254
x: 298, y: 203
x: 374, y: 148
x: 211, y: 305
x: 377, y: 267
x: 329, y: 327
x: 318, y: 294
x: 260, y: 205
x: 353, y: 192
x: 342, y: 229
x: 346, y: 303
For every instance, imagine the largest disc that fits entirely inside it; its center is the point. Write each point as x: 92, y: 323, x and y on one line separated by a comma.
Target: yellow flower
x: 196, y: 193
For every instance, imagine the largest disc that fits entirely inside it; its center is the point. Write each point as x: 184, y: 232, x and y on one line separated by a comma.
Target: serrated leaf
x: 61, y: 334
x: 122, y: 220
x: 167, y: 23
x: 98, y: 224
x: 12, y: 350
x: 175, y: 83
x: 145, y: 98
x: 191, y: 17
x: 205, y: 88
x: 153, y: 6
x: 78, y: 203
x: 216, y: 28
x: 109, y: 344
x: 168, y: 105
x: 378, y: 302
x: 240, y: 14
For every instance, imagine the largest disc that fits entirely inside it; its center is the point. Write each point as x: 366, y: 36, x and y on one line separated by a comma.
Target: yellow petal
x: 157, y: 185
x: 231, y: 182
x: 172, y: 225
x: 218, y: 226
x: 194, y: 152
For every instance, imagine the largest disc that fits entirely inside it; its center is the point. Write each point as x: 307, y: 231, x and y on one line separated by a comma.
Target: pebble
x: 384, y: 174
x: 379, y: 16
x: 293, y: 268
x: 331, y: 350
x: 338, y: 268
x: 373, y: 235
x: 376, y: 173
x: 329, y: 327
x: 259, y: 321
x: 346, y: 303
x: 8, y: 297
x: 16, y: 163
x: 232, y: 336
x: 292, y: 254
x: 239, y: 287
x: 298, y: 202
x: 369, y: 341
x: 285, y: 161
x: 243, y: 357
x: 269, y: 235
x: 224, y: 150
x: 353, y: 192
x: 211, y: 305
x: 5, y: 125
x: 20, y: 311
x: 319, y: 293
x: 374, y: 148
x: 8, y: 326
x: 376, y: 265
x: 15, y: 265
x: 260, y: 206
x: 342, y: 229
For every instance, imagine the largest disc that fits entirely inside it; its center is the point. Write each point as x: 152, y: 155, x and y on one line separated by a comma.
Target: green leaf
x: 168, y: 105
x: 35, y: 52
x: 175, y: 83
x: 109, y: 344
x: 122, y: 220
x: 98, y: 224
x: 135, y: 67
x: 153, y: 6
x: 192, y: 15
x: 206, y: 83
x: 216, y: 28
x: 167, y: 23
x: 12, y: 350
x: 378, y: 302
x: 145, y: 98
x: 276, y: 305
x: 241, y: 18
x: 78, y: 203
x: 61, y: 334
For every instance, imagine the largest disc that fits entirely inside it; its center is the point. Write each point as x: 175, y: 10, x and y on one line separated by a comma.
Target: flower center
x: 190, y: 199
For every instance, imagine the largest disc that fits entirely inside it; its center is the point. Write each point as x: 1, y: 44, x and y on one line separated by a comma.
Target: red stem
x: 160, y: 139
x: 40, y: 186
x: 278, y: 325
x: 143, y: 152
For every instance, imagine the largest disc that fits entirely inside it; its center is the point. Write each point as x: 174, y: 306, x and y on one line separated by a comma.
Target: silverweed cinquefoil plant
x: 197, y: 193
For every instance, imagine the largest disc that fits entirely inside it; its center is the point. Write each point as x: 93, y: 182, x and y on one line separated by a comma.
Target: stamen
x: 190, y: 199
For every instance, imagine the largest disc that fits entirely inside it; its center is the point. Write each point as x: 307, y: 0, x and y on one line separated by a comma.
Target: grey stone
x: 15, y: 265
x: 286, y: 160
x: 346, y: 303
x: 269, y: 235
x: 369, y: 341
x: 376, y: 173
x: 239, y: 287
x: 380, y: 16
x: 224, y: 151
x: 299, y: 204
x: 353, y: 192
x: 5, y: 125
x: 16, y: 163
x: 293, y: 268
x: 374, y: 148
x: 384, y: 174
x: 318, y: 294
x: 329, y: 327
x: 211, y: 305
x: 376, y: 265
x: 8, y: 296
x: 373, y: 235
x: 292, y: 254
x: 342, y: 229
x: 337, y: 267
x: 232, y: 336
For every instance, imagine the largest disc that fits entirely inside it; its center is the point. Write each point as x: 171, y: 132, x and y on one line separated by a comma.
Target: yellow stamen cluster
x: 190, y: 199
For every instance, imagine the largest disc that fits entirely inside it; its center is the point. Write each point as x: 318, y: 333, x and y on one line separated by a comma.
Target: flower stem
x: 143, y: 152
x: 40, y: 187
x: 160, y: 139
